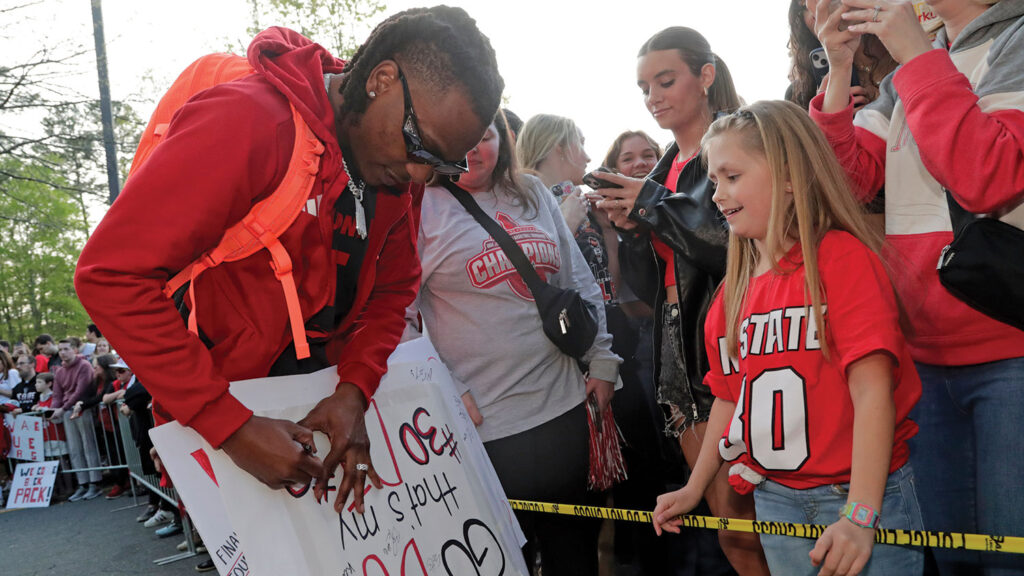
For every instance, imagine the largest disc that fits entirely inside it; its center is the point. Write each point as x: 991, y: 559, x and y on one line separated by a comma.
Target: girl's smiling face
x: 743, y: 186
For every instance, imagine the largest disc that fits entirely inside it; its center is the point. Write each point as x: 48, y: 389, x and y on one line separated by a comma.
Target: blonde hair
x: 541, y: 135
x: 799, y: 156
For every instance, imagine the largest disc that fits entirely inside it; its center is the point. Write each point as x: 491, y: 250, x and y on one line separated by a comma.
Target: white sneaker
x: 93, y: 492
x: 79, y: 494
x: 161, y: 517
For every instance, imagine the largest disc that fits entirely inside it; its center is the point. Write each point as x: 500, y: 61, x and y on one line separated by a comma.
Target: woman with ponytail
x: 673, y: 251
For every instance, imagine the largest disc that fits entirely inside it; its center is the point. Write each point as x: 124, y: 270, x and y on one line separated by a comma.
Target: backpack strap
x: 262, y: 228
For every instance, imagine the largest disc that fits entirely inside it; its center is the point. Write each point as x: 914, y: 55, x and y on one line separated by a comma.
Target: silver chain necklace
x: 357, y: 193
x: 357, y: 189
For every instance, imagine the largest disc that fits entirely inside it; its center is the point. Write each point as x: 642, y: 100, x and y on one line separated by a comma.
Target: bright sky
x: 562, y: 57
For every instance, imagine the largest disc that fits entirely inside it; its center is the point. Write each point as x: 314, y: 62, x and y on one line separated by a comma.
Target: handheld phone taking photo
x: 819, y: 68
x: 596, y: 183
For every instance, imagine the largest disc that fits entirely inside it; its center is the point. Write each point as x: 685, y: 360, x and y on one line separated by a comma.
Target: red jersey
x: 794, y: 414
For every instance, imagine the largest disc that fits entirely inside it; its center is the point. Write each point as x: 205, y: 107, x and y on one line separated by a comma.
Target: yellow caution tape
x: 952, y: 540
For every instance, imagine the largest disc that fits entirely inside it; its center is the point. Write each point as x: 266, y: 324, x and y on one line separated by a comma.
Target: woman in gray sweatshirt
x: 524, y: 394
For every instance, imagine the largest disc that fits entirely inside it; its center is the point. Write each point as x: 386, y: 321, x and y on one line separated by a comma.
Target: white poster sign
x: 441, y: 510
x: 32, y: 485
x: 186, y: 456
x: 27, y: 438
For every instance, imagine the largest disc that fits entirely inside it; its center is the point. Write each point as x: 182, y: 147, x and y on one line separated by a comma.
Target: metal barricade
x: 151, y: 482
x: 104, y: 436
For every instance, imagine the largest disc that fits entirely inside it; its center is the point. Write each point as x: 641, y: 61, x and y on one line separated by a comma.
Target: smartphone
x: 597, y: 183
x: 819, y: 67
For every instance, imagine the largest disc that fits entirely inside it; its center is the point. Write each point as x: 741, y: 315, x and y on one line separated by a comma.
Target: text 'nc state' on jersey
x: 783, y: 330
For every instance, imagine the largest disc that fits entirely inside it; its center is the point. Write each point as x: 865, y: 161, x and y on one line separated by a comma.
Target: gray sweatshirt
x: 482, y: 319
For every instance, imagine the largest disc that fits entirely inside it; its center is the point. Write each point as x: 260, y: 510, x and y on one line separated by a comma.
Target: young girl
x: 811, y: 375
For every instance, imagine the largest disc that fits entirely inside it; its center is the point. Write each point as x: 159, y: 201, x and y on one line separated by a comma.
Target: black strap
x: 509, y: 246
x: 958, y: 216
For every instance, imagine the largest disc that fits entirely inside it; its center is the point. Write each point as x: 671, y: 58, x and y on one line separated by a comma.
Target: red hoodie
x: 228, y: 147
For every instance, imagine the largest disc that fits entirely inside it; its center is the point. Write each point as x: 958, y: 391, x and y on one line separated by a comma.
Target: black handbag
x: 569, y: 321
x: 984, y: 265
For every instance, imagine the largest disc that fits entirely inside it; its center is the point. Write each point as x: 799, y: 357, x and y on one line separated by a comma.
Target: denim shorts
x: 820, y: 505
x: 684, y: 402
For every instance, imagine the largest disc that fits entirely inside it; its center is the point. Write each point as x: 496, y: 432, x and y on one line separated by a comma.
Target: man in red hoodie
x: 229, y: 147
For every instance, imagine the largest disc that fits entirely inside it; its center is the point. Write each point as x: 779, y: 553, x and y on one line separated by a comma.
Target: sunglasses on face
x: 414, y: 144
x: 120, y: 370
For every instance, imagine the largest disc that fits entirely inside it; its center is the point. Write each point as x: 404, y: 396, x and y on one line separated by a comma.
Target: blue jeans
x: 970, y: 455
x: 790, y: 555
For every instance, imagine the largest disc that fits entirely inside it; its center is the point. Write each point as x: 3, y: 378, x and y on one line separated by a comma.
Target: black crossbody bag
x: 984, y: 265
x: 569, y: 321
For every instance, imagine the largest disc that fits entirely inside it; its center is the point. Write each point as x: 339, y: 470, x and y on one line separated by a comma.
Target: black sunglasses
x: 414, y: 144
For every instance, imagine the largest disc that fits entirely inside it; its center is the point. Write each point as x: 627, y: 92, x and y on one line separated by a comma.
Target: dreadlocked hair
x: 441, y: 46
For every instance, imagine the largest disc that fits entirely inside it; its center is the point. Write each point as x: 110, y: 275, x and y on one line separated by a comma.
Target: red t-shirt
x: 660, y: 248
x: 794, y: 414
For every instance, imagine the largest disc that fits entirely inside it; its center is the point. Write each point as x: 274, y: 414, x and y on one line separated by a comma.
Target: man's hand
x: 340, y: 417
x: 273, y: 452
x: 57, y: 415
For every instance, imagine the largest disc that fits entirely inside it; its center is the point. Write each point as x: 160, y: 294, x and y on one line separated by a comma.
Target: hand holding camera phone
x: 596, y: 183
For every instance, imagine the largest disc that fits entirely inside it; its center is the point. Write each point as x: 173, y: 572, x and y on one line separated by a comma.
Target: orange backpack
x: 268, y: 219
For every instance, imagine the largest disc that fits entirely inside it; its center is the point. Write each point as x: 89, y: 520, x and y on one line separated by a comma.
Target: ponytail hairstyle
x: 797, y: 153
x: 694, y: 49
x: 441, y: 46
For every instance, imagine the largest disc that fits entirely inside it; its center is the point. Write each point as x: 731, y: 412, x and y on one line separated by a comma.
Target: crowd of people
x: 767, y: 325
x: 78, y: 386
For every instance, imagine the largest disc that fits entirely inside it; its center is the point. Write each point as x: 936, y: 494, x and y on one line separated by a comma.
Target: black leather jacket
x: 692, y: 226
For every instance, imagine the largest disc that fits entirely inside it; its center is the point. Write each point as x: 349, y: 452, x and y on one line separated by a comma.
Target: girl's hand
x: 859, y: 96
x: 839, y: 45
x: 671, y: 506
x: 619, y: 202
x: 895, y: 24
x: 574, y: 210
x: 603, y: 391
x: 471, y: 408
x: 843, y: 549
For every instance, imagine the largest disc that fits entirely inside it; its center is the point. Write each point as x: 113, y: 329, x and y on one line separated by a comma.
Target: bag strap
x: 958, y: 216
x: 509, y: 246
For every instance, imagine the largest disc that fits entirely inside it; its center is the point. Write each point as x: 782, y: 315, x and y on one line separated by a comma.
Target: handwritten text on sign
x: 441, y: 509
x: 27, y: 439
x: 32, y: 485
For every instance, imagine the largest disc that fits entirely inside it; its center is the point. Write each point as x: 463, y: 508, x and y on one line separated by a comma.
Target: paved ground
x: 94, y: 538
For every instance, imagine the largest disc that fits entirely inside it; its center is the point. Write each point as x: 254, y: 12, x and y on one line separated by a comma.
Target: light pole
x: 106, y: 114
